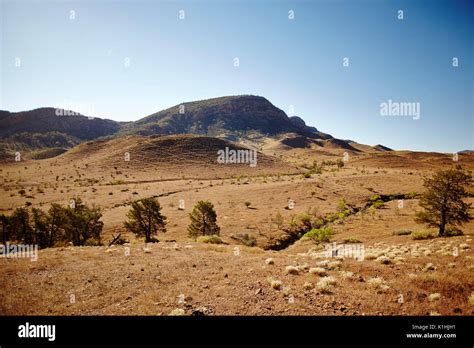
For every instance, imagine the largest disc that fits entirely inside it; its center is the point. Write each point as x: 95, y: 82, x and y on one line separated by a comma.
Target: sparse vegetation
x: 352, y: 240
x: 424, y: 234
x: 402, y: 232
x: 319, y: 235
x: 213, y: 239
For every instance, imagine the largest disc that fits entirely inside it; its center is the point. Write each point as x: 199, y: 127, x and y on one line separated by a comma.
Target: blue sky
x: 82, y: 61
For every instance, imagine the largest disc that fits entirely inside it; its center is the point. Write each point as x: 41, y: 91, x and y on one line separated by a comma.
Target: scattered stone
x: 292, y: 270
x: 429, y: 267
x: 384, y: 260
x: 434, y: 297
x: 269, y: 261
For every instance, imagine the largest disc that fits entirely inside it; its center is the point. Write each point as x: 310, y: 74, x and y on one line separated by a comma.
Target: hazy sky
x: 124, y: 60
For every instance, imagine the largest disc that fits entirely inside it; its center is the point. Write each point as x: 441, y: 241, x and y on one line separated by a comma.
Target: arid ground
x: 398, y: 275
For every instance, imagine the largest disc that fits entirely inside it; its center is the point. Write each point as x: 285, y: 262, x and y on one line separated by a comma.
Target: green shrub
x: 319, y: 235
x: 116, y: 182
x: 424, y: 234
x: 352, y: 240
x: 209, y: 239
x: 378, y: 204
x: 452, y: 231
x: 317, y: 222
x: 307, y: 175
x: 402, y: 232
x: 245, y: 239
x: 411, y: 195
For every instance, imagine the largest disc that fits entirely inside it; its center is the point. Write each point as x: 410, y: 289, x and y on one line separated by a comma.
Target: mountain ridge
x: 233, y: 118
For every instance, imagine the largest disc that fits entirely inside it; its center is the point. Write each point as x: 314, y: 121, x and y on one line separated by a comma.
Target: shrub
x: 213, y: 239
x: 275, y: 283
x: 247, y: 204
x: 320, y: 271
x: 319, y: 235
x: 245, y: 239
x: 379, y: 284
x: 278, y: 220
x: 376, y: 202
x: 452, y: 231
x: 471, y: 299
x: 342, y: 205
x: 402, y: 232
x: 326, y: 284
x: 423, y: 234
x: 352, y: 241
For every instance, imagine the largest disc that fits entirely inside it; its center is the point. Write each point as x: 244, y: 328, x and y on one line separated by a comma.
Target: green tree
x: 48, y: 227
x: 145, y: 218
x: 40, y: 228
x: 443, y: 199
x: 203, y: 220
x: 20, y: 228
x: 5, y: 221
x: 56, y: 220
x: 83, y: 225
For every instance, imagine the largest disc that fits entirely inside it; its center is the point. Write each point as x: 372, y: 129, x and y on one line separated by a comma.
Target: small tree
x: 203, y: 220
x: 278, y: 220
x: 40, y: 227
x: 443, y: 199
x: 56, y: 220
x: 20, y: 228
x: 4, y: 220
x: 145, y: 219
x: 83, y: 225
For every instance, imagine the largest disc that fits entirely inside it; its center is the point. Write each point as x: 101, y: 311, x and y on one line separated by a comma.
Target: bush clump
x: 213, y: 239
x: 319, y: 235
x: 424, y: 234
x: 402, y: 232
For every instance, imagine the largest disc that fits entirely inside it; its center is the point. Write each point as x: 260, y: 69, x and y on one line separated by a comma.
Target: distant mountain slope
x: 248, y: 119
x: 226, y: 117
x: 45, y: 120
